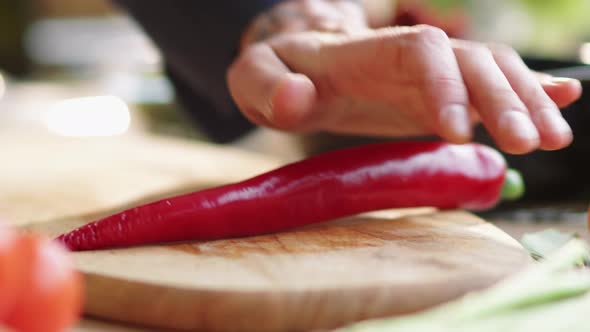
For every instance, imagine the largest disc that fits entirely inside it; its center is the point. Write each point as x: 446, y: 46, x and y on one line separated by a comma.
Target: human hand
x: 397, y: 82
x: 341, y: 16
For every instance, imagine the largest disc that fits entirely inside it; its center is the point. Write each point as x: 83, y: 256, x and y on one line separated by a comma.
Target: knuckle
x: 255, y: 52
x: 536, y: 97
x: 444, y: 89
x: 507, y: 98
x: 481, y: 50
x: 429, y: 35
x: 447, y: 81
x: 240, y: 64
x: 503, y: 50
x: 250, y: 55
x: 450, y: 86
x: 248, y: 60
x: 408, y: 42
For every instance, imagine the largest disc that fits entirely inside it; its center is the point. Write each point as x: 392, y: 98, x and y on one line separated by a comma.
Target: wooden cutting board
x: 379, y: 264
x: 319, y: 277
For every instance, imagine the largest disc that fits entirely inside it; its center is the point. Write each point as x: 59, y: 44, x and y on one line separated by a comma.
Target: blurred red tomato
x: 49, y: 294
x: 9, y: 270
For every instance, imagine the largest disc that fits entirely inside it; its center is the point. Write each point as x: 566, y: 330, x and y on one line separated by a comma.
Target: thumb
x: 268, y: 93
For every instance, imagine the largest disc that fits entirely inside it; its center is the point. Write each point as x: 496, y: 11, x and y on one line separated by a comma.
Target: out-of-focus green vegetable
x: 550, y: 296
x: 513, y: 187
x: 544, y: 243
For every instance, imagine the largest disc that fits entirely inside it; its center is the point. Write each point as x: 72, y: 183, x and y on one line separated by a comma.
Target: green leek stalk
x: 550, y: 296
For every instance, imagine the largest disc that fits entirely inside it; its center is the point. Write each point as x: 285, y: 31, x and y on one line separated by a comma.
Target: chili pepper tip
x: 513, y: 187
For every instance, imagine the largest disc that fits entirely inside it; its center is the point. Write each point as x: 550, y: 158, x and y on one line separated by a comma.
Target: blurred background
x: 77, y: 68
x: 84, y: 68
x: 52, y: 50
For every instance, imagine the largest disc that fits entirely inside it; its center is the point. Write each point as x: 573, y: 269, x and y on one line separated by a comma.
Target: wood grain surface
x: 373, y: 265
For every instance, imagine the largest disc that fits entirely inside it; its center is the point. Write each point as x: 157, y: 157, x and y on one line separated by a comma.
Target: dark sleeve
x: 198, y: 40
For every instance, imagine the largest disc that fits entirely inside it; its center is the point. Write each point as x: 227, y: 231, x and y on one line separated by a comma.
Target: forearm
x: 198, y: 41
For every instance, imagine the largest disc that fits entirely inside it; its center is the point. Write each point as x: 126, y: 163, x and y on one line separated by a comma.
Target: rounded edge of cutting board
x: 298, y: 309
x: 157, y: 306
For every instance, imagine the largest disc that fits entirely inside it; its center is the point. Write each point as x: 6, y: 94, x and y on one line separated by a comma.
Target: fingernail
x: 561, y: 80
x: 550, y: 120
x: 454, y: 120
x: 517, y: 125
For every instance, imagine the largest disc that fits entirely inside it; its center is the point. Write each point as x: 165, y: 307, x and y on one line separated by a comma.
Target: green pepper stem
x: 513, y: 187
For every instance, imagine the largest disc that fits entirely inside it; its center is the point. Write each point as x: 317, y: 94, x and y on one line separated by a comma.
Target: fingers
x: 509, y: 99
x: 267, y: 93
x: 562, y: 90
x: 553, y: 130
x: 501, y: 110
x: 390, y: 82
x: 444, y: 92
x: 519, y: 108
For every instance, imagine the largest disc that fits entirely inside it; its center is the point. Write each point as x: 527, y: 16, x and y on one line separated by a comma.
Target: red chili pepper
x: 323, y: 187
